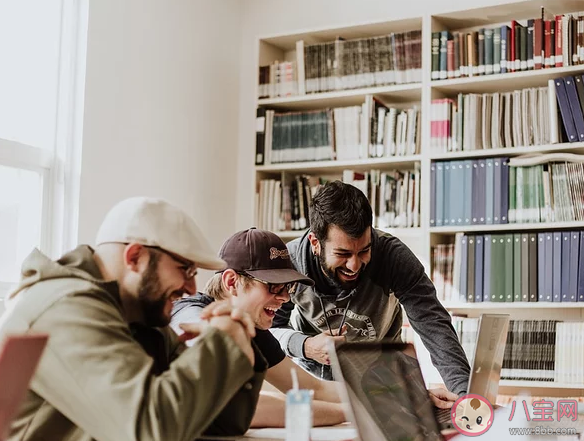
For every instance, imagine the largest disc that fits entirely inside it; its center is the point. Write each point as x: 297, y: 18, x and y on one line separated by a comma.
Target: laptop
x: 487, y: 361
x: 383, y: 386
x: 19, y: 357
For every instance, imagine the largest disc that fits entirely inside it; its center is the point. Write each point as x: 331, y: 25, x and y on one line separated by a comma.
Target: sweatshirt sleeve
x: 416, y: 292
x: 95, y: 374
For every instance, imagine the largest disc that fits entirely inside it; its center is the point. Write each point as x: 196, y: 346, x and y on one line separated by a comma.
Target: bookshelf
x: 423, y: 237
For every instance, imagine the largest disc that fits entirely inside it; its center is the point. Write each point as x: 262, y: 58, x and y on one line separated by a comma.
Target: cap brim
x: 211, y: 263
x: 283, y: 275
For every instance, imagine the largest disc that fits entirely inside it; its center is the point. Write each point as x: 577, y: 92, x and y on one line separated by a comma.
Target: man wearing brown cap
x: 95, y: 381
x: 260, y: 278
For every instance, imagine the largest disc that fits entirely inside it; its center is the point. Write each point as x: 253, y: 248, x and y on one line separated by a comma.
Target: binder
x: 575, y: 106
x: 562, y: 96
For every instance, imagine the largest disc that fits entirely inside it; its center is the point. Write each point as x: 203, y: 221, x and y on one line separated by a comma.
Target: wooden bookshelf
x: 514, y: 305
x: 421, y: 94
x: 503, y: 82
x: 399, y: 93
x: 540, y: 388
x: 506, y: 227
x: 567, y: 147
x: 398, y: 162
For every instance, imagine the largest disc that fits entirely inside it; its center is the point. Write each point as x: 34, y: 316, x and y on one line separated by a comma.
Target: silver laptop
x: 488, y: 357
x: 383, y: 389
x: 487, y: 361
x: 386, y: 395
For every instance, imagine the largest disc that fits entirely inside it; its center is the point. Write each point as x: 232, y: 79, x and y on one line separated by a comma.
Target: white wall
x: 263, y: 18
x: 161, y: 115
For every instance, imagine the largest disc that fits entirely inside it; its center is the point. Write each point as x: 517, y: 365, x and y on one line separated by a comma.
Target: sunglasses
x: 274, y: 288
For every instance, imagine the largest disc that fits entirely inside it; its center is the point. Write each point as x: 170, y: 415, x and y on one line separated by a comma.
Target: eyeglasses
x: 274, y: 288
x: 189, y: 269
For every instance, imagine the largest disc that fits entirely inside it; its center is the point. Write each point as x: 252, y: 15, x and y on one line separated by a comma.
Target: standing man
x: 94, y: 380
x: 361, y: 277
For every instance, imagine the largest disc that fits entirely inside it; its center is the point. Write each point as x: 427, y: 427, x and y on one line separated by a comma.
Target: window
x: 42, y: 48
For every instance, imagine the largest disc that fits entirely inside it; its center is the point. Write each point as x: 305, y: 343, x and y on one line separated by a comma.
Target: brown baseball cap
x: 263, y: 255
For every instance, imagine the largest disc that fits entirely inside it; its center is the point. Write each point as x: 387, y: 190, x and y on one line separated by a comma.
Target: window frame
x: 59, y: 166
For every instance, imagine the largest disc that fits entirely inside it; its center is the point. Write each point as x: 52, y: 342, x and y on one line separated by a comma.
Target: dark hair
x: 340, y: 204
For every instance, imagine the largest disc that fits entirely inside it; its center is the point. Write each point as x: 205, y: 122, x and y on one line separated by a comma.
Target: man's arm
x: 427, y: 316
x: 271, y: 411
x: 99, y: 377
x: 280, y: 377
x: 291, y: 341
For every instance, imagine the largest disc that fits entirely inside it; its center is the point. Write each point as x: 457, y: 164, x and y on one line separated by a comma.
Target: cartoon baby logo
x: 472, y: 415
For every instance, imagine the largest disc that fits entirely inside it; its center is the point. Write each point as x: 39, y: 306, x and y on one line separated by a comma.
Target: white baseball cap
x: 157, y: 223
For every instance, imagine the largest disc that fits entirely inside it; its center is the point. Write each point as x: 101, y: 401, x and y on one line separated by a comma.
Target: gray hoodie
x: 394, y: 276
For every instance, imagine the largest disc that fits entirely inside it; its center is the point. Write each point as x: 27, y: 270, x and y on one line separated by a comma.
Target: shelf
x: 506, y: 227
x: 541, y: 384
x: 401, y: 162
x: 512, y: 305
x: 287, y: 42
x: 398, y: 232
x: 540, y: 388
x: 402, y: 93
x: 503, y: 82
x: 574, y: 147
x: 290, y: 234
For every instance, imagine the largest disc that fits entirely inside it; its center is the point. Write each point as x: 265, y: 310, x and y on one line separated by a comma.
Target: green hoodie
x: 95, y: 381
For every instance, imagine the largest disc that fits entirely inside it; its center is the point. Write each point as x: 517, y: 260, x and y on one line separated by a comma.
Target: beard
x: 331, y: 273
x: 152, y: 301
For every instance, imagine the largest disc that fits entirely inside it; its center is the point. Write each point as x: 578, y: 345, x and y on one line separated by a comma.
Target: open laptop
x: 487, y: 361
x: 386, y: 394
x: 19, y: 357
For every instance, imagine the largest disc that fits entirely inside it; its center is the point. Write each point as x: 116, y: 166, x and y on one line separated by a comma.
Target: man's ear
x: 229, y: 280
x: 314, y: 243
x: 134, y: 256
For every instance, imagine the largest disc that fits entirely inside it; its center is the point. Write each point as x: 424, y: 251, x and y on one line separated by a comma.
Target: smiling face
x: 254, y: 297
x: 163, y: 281
x: 472, y: 415
x: 341, y: 257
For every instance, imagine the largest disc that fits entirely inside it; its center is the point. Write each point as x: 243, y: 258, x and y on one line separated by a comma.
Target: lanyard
x: 342, y: 320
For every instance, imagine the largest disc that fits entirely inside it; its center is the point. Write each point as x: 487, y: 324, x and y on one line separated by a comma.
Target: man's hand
x: 316, y: 347
x: 225, y: 307
x: 234, y: 322
x: 442, y: 398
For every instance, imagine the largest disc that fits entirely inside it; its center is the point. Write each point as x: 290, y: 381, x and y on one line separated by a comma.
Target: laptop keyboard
x: 442, y: 416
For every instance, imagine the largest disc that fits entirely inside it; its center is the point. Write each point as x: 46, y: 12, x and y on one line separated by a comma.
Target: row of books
x: 294, y: 136
x: 283, y: 206
x: 535, y: 350
x: 370, y: 130
x: 278, y: 79
x: 469, y: 192
x: 490, y: 191
x: 520, y: 118
x: 493, y: 120
x: 395, y: 58
x: 513, y: 267
x: 543, y: 42
x: 551, y: 190
x: 394, y: 197
x: 532, y: 349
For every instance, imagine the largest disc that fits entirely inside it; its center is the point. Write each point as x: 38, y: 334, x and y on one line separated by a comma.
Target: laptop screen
x: 386, y: 391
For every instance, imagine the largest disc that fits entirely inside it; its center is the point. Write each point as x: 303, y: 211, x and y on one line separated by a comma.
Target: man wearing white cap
x: 95, y: 381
